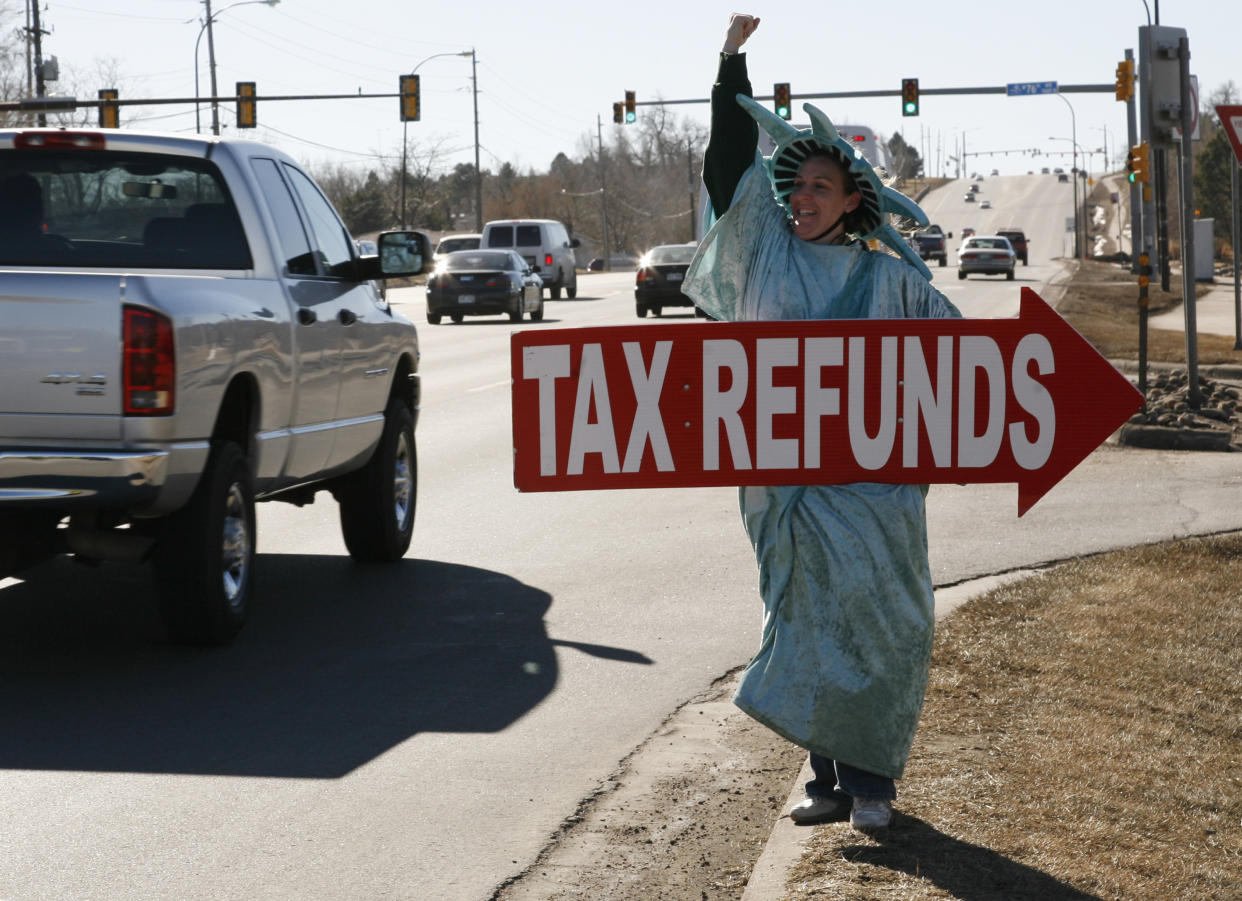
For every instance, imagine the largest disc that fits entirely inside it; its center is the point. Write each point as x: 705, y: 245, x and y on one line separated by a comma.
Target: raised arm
x: 734, y: 135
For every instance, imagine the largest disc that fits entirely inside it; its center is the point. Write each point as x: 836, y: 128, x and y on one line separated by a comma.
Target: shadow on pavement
x: 338, y: 664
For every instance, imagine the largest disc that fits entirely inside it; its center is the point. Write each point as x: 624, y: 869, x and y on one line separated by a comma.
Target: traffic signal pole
x: 1187, y: 157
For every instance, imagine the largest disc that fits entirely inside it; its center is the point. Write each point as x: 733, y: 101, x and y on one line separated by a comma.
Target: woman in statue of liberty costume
x: 843, y: 569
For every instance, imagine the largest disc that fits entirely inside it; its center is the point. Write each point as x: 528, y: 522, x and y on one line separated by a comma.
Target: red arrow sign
x: 1231, y: 121
x: 904, y: 401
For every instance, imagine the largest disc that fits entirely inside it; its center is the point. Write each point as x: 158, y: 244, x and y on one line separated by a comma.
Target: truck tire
x: 204, y: 563
x: 944, y: 261
x: 377, y: 502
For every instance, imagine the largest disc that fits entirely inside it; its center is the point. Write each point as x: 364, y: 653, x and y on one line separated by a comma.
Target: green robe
x: 843, y: 570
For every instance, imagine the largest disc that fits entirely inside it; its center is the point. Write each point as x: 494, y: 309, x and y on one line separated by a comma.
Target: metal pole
x: 1078, y: 244
x: 211, y: 64
x: 405, y: 131
x: 40, y: 87
x: 478, y: 172
x: 198, y: 129
x: 1186, y: 153
x: 1136, y: 208
x: 1237, y: 272
x: 603, y: 193
x: 404, y: 143
x: 694, y: 213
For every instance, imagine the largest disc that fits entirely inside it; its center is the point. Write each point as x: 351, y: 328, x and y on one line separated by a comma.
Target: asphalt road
x: 420, y: 730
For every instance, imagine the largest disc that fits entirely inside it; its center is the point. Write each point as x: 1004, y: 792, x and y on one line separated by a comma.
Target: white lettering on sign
x: 772, y: 400
x: 869, y: 452
x: 1035, y: 399
x: 979, y: 353
x: 648, y: 426
x: 926, y: 405
x: 547, y: 364
x: 818, y: 401
x: 587, y: 437
x: 919, y: 401
x: 721, y: 406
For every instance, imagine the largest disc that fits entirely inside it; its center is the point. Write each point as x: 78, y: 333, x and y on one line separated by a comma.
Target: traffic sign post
x: 902, y: 401
x: 1231, y: 122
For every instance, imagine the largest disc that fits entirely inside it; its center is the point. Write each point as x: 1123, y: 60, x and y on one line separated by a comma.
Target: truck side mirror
x: 403, y: 253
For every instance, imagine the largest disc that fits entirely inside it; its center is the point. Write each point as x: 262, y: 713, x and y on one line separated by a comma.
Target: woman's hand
x: 741, y: 26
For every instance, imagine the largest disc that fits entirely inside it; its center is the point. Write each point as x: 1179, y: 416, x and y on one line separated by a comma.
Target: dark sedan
x: 483, y: 283
x: 657, y: 284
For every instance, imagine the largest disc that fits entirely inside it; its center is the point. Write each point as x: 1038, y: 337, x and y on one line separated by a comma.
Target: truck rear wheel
x: 204, y: 564
x: 377, y: 502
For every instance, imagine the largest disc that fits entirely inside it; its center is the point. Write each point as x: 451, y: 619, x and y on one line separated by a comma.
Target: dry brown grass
x: 1102, y: 303
x: 1081, y: 739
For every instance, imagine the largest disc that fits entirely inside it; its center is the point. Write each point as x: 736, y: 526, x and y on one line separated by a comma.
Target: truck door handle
x: 347, y: 317
x: 306, y: 316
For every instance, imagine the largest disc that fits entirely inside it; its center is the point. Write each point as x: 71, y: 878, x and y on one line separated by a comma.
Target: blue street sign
x: 1022, y: 88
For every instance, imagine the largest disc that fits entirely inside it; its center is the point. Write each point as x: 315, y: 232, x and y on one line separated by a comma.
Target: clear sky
x: 548, y: 70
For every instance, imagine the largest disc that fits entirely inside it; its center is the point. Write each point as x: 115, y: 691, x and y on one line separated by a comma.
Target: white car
x: 987, y: 255
x: 985, y: 205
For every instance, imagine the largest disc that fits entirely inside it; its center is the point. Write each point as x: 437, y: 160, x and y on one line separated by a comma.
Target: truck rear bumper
x: 93, y: 479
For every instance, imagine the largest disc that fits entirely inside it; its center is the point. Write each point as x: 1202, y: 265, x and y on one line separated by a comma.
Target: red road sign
x: 905, y: 401
x: 1231, y: 121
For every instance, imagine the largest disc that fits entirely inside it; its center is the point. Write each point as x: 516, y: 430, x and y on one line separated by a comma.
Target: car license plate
x: 674, y: 276
x: 465, y: 298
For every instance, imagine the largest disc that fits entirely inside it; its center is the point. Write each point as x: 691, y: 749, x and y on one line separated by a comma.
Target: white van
x: 544, y: 244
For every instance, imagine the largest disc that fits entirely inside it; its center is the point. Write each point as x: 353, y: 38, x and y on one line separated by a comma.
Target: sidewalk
x: 1215, y: 312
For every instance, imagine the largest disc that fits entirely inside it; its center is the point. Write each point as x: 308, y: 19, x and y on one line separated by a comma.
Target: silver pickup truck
x: 187, y: 327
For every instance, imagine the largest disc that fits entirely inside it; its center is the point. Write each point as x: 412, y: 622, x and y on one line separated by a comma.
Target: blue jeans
x: 834, y: 779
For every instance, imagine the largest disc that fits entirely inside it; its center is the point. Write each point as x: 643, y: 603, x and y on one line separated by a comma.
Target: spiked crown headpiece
x: 793, y: 146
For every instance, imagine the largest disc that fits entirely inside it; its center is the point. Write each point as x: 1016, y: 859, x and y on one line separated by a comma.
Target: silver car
x: 986, y: 254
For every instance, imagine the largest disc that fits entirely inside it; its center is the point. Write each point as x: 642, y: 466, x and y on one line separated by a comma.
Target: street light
x: 1079, y: 245
x: 1074, y: 178
x: 211, y: 58
x: 477, y: 175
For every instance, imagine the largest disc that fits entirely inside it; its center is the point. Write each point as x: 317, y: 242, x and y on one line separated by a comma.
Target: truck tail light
x: 59, y: 140
x: 547, y: 259
x: 148, y: 363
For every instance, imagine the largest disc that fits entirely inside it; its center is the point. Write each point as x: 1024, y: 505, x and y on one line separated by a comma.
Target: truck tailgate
x: 60, y: 350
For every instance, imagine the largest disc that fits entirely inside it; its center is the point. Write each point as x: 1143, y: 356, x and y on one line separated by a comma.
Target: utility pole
x: 603, y: 192
x: 478, y: 173
x: 694, y: 213
x: 36, y: 35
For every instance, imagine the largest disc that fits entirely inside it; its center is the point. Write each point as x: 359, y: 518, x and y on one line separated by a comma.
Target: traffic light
x: 1138, y: 163
x: 780, y: 99
x: 1125, y: 80
x: 109, y: 113
x: 909, y: 96
x: 246, y: 116
x: 618, y: 115
x: 410, y: 107
x: 1144, y: 270
x: 631, y: 108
